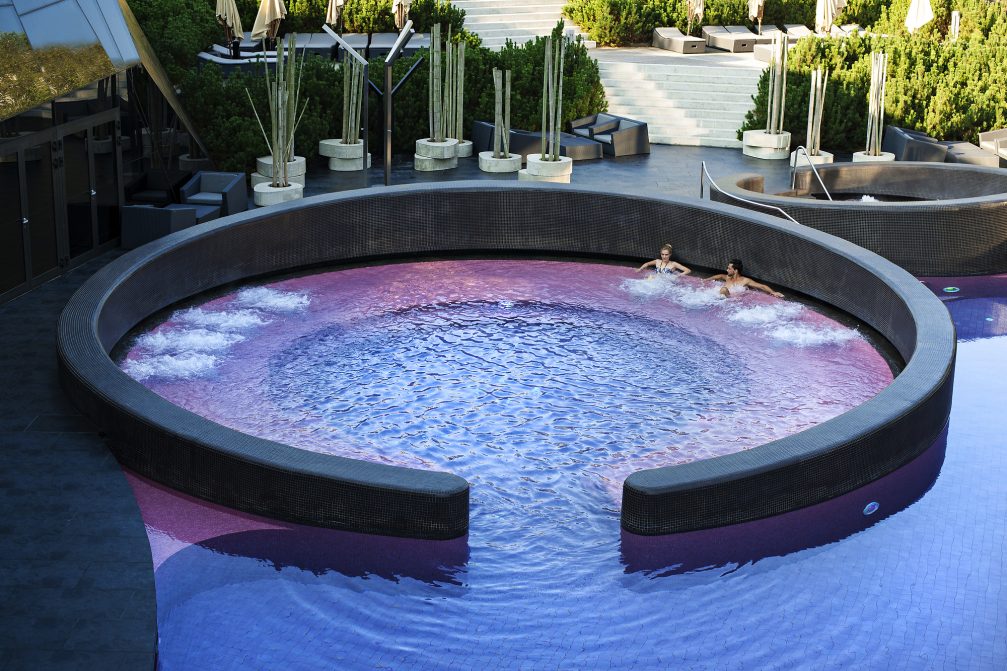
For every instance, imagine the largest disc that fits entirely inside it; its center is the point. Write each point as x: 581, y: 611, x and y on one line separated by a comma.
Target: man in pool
x: 733, y: 279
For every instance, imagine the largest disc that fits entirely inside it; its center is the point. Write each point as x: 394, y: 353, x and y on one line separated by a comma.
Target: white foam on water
x: 170, y: 366
x: 805, y: 335
x: 868, y: 199
x: 195, y: 340
x: 265, y: 298
x: 760, y: 315
x: 230, y: 320
x: 653, y: 286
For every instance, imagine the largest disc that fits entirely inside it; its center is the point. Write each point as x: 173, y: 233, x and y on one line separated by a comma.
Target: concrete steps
x: 496, y: 21
x: 685, y: 102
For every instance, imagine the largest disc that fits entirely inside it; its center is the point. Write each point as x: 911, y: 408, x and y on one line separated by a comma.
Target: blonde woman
x: 664, y: 265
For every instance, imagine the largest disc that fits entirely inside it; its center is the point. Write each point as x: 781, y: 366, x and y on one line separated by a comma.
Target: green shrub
x: 220, y: 109
x: 949, y: 90
x: 178, y: 30
x: 583, y: 93
x: 622, y: 22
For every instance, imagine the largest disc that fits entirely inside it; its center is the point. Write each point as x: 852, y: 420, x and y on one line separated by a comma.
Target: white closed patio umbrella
x: 920, y: 14
x: 756, y: 8
x: 334, y: 12
x: 401, y: 10
x: 227, y: 16
x: 826, y: 12
x: 695, y: 9
x: 267, y: 21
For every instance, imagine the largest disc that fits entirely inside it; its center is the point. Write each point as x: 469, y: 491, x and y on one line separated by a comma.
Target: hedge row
x: 228, y: 127
x: 952, y: 90
x: 624, y: 22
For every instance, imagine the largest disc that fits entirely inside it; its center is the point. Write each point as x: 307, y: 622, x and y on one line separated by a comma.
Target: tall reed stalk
x: 876, y: 103
x: 501, y: 122
x: 353, y: 97
x: 816, y: 106
x: 552, y: 98
x: 283, y: 93
x: 776, y: 104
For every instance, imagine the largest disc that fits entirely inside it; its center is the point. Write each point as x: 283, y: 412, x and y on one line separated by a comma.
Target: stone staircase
x: 693, y: 100
x: 496, y: 21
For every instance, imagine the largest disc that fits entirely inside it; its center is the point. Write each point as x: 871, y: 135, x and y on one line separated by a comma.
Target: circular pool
x: 933, y: 219
x: 164, y: 441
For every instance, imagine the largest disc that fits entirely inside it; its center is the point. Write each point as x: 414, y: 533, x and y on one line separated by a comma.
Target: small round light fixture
x: 989, y: 319
x: 871, y: 508
x: 951, y: 290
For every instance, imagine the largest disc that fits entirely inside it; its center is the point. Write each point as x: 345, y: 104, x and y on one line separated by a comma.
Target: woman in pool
x: 664, y: 265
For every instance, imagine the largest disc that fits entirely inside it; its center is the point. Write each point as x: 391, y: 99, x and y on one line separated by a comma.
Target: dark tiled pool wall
x: 184, y: 451
x: 809, y: 527
x: 957, y: 227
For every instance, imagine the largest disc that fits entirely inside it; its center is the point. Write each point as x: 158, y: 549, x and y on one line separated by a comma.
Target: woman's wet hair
x: 667, y: 246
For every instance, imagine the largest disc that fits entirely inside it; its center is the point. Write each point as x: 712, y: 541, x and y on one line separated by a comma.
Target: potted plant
x: 277, y: 172
x: 347, y: 153
x: 876, y: 113
x: 500, y: 159
x: 437, y: 152
x: 773, y: 142
x: 548, y: 165
x: 816, y: 106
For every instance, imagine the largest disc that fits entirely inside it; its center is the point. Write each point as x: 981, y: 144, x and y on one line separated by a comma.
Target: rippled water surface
x: 543, y: 384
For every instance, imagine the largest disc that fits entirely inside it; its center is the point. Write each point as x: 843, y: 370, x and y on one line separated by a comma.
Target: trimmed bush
x: 951, y: 90
x: 623, y: 22
x: 178, y: 30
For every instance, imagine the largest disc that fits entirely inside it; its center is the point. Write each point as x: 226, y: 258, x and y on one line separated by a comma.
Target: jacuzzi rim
x: 434, y: 501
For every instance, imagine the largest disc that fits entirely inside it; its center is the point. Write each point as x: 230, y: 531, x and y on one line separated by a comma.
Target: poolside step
x: 693, y: 101
x: 497, y: 21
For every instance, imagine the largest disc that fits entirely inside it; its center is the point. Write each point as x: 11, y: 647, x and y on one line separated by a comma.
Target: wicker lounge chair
x: 225, y: 190
x: 618, y: 135
x: 672, y: 39
x: 718, y: 37
x: 143, y: 223
x: 745, y: 32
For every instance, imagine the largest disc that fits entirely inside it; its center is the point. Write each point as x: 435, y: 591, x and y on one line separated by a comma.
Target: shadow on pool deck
x: 76, y: 578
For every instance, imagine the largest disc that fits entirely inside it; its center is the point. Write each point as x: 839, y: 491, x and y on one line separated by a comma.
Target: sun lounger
x: 798, y: 30
x: 745, y: 32
x: 770, y: 32
x: 672, y: 39
x: 718, y: 37
x: 845, y: 30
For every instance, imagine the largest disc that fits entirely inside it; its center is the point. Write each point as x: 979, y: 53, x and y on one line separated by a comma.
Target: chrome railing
x: 704, y: 176
x: 793, y: 170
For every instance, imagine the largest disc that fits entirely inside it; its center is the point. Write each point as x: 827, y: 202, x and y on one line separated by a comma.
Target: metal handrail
x: 793, y: 170
x: 704, y: 172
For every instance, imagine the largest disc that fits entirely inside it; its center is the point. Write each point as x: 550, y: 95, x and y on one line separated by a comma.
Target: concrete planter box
x: 258, y: 178
x: 864, y: 157
x: 295, y: 168
x: 266, y: 195
x: 194, y: 164
x: 512, y: 163
x: 464, y: 149
x: 822, y: 157
x: 760, y: 144
x: 547, y: 171
x: 432, y: 155
x: 344, y: 157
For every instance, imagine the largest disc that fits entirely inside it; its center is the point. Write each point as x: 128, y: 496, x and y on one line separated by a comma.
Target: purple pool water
x: 542, y: 383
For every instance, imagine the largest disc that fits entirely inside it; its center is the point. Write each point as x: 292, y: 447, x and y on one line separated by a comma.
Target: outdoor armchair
x: 225, y: 190
x: 618, y: 135
x: 144, y: 223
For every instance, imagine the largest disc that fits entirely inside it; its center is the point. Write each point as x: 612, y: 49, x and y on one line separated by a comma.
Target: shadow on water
x: 355, y: 555
x: 722, y: 551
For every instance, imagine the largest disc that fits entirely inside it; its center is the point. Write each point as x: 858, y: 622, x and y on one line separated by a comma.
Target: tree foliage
x: 949, y: 89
